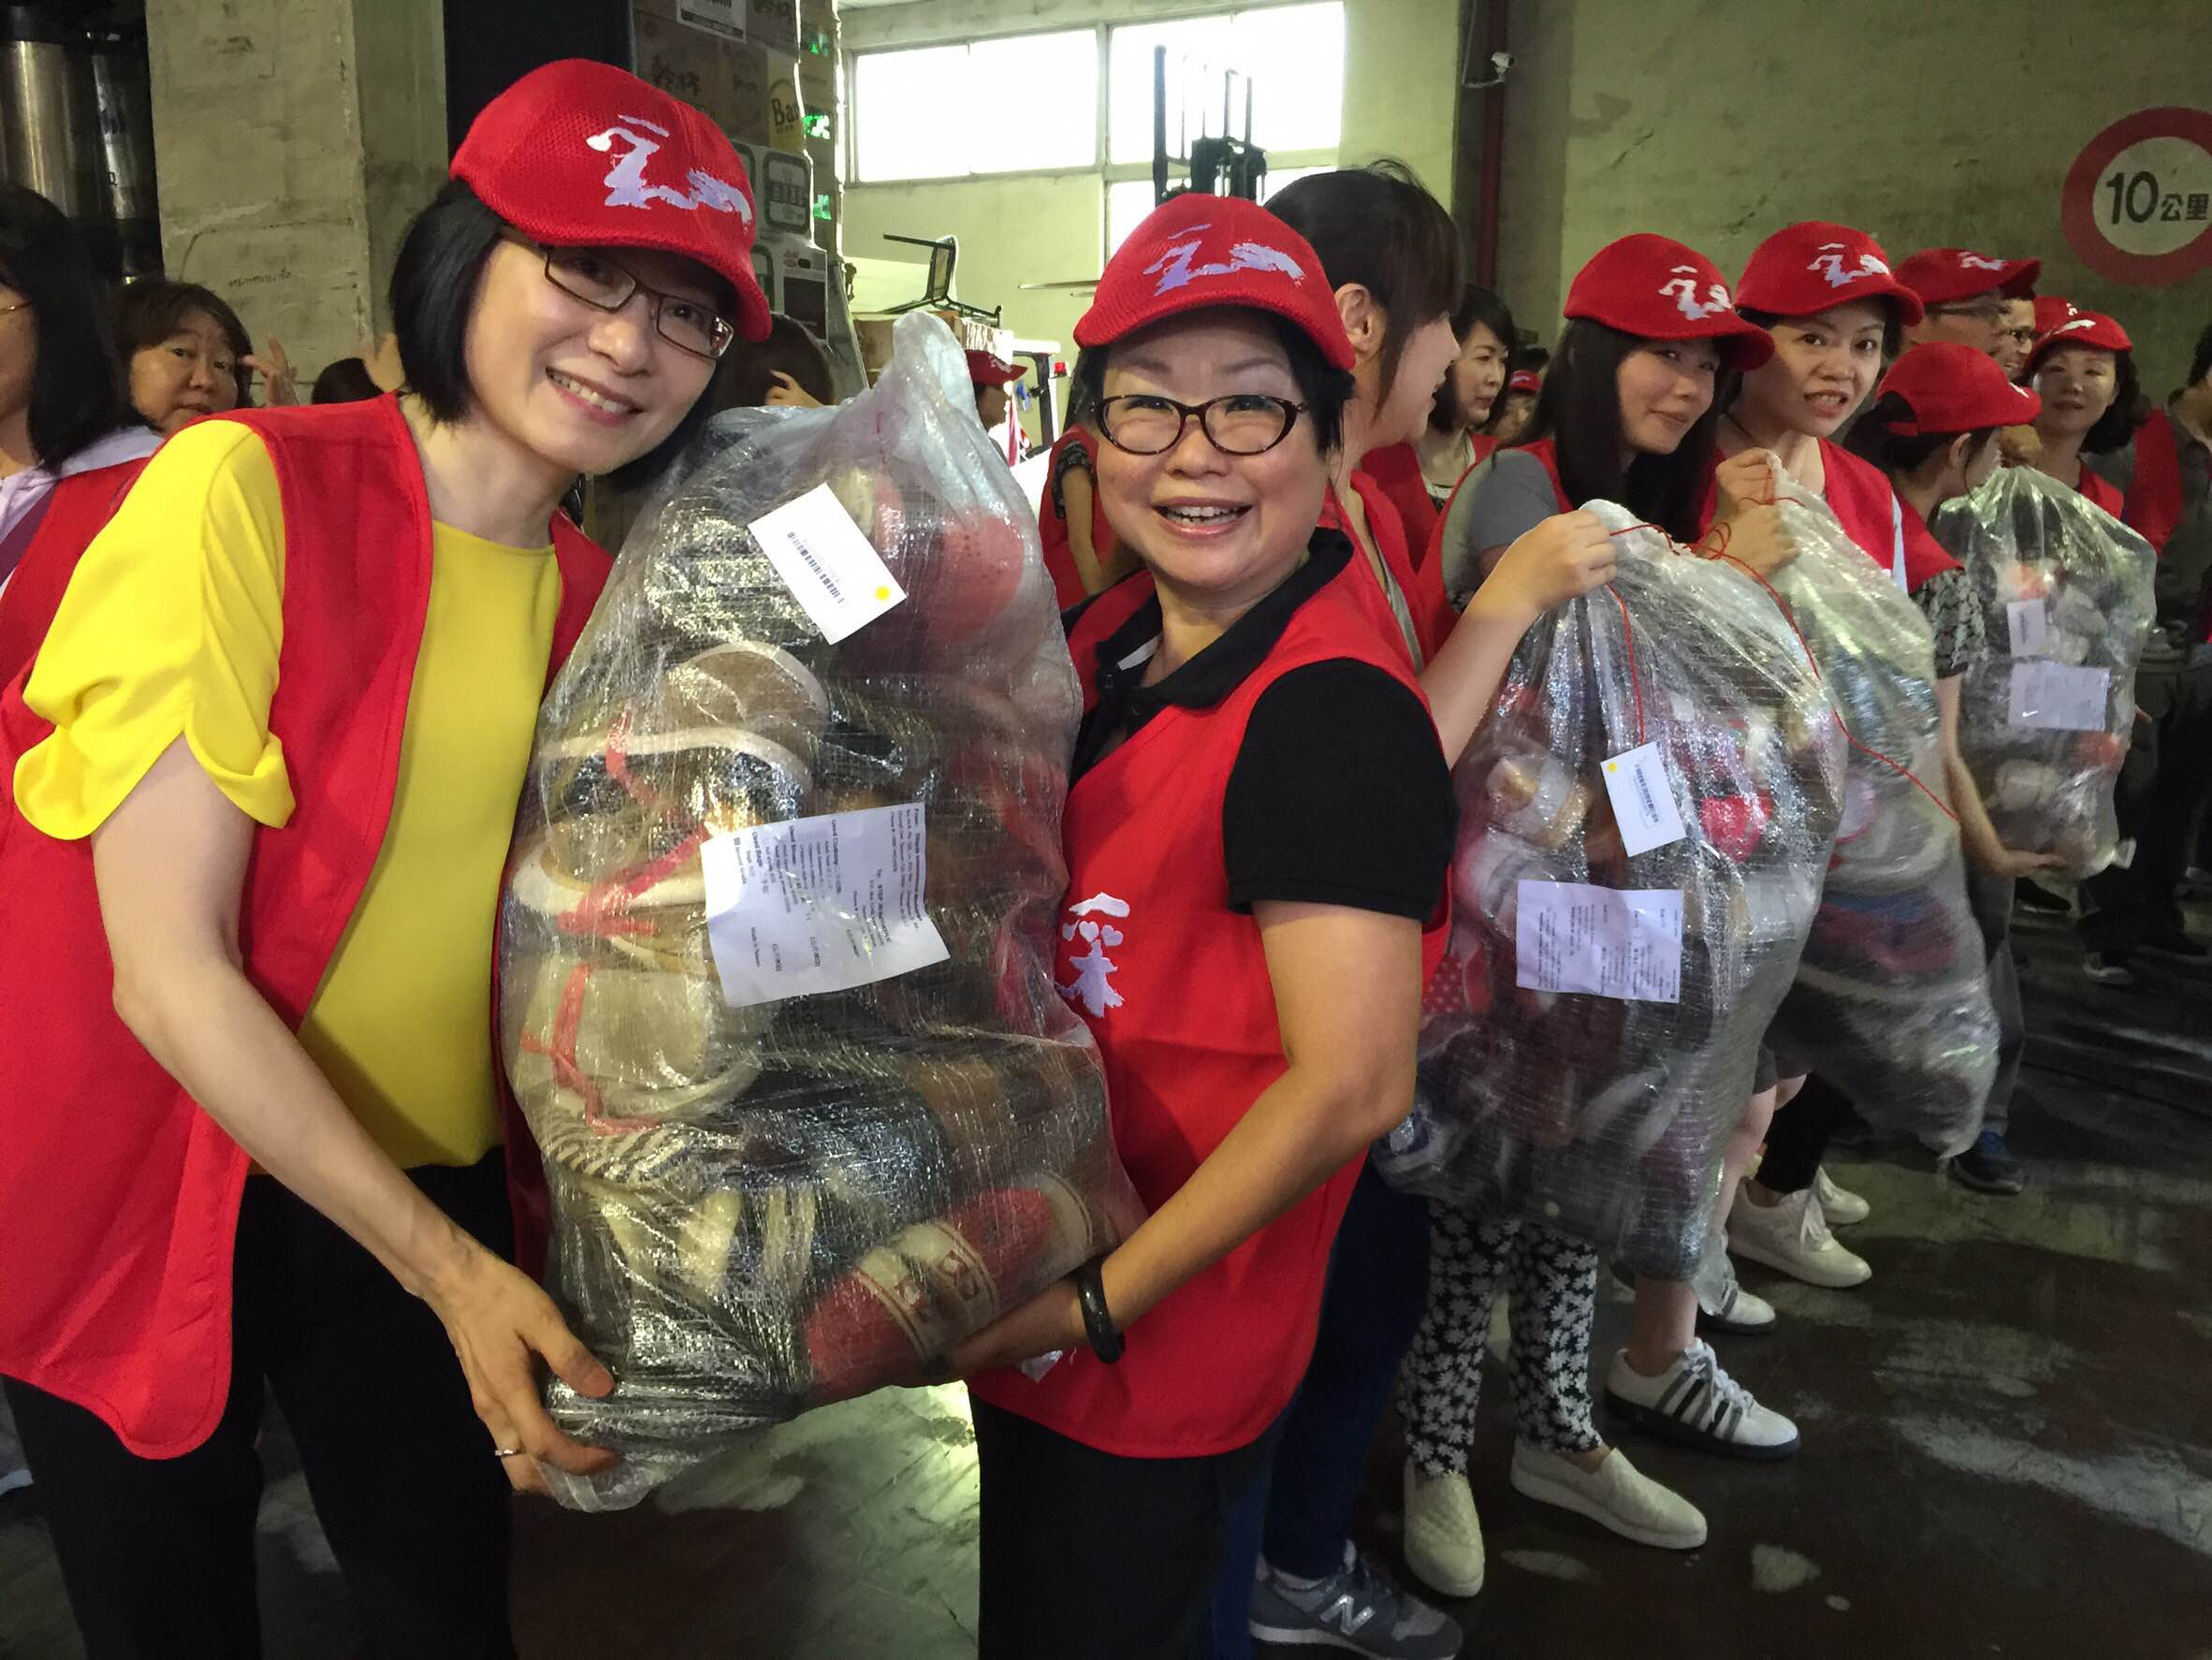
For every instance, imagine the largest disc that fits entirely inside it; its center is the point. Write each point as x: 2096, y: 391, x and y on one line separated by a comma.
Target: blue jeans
x: 1298, y: 1512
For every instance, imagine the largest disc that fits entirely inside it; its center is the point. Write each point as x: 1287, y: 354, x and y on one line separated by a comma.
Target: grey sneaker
x: 1356, y: 1610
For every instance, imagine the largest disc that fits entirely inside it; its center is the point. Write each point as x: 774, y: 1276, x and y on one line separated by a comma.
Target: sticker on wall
x: 2137, y: 202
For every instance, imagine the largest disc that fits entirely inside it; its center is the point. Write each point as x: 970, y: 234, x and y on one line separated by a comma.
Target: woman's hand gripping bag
x: 2045, y: 718
x: 776, y: 938
x: 1891, y: 1001
x: 1643, y: 822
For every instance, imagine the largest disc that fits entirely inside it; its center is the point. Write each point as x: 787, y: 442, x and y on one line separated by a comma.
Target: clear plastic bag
x: 1891, y: 1001
x: 761, y: 1209
x: 2045, y: 718
x: 1605, y: 1116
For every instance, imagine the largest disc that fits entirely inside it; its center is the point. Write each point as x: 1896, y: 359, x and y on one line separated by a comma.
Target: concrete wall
x: 1401, y: 62
x: 292, y: 140
x: 1926, y: 125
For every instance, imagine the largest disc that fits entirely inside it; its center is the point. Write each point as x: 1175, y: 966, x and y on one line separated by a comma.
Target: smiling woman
x: 187, y: 351
x: 294, y: 877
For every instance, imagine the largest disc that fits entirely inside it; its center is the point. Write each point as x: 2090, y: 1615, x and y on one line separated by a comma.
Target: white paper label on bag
x: 2060, y: 697
x: 2029, y: 621
x: 821, y: 904
x: 1611, y: 942
x: 831, y: 569
x: 1643, y: 806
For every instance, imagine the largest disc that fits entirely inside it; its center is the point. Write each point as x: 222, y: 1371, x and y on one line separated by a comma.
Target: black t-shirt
x: 1339, y: 795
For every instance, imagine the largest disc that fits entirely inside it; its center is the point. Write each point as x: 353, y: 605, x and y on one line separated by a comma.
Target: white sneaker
x: 1839, y: 1206
x: 1442, y: 1535
x: 1724, y: 1305
x: 1695, y: 1402
x: 1793, y: 1236
x: 1616, y: 1496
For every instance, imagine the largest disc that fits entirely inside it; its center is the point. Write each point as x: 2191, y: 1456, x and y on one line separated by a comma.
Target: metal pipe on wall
x: 1495, y: 16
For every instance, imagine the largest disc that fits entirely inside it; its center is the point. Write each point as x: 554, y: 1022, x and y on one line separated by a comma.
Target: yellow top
x: 172, y: 627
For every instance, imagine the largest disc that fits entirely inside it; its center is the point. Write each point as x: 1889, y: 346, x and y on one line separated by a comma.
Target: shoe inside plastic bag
x: 768, y: 1196
x: 2045, y: 720
x: 1591, y: 1036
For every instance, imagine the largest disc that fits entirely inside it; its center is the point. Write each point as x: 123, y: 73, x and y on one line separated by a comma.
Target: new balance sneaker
x: 1694, y: 1402
x: 1355, y: 1609
x: 1839, y: 1206
x: 1988, y: 1167
x: 1792, y: 1235
x: 1722, y: 1305
x: 2107, y: 968
x: 1442, y: 1535
x: 1615, y: 1495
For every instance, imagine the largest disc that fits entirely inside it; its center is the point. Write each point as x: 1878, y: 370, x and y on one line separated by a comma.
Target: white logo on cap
x: 1175, y: 270
x: 2074, y: 324
x: 1830, y: 263
x: 1683, y: 291
x: 1976, y: 262
x: 626, y: 185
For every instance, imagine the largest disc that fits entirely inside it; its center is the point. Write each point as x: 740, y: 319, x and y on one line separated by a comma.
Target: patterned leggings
x: 1551, y: 1282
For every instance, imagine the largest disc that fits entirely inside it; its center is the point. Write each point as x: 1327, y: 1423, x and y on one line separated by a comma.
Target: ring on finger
x: 506, y: 1453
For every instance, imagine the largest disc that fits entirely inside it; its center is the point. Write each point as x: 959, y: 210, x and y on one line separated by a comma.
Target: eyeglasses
x: 2019, y: 336
x: 604, y: 283
x: 1238, y: 424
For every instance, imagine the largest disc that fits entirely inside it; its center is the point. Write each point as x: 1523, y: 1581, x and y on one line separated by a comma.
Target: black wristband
x: 1098, y: 1323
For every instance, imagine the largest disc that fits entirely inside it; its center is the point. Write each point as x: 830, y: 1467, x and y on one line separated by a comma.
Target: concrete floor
x: 2008, y: 1444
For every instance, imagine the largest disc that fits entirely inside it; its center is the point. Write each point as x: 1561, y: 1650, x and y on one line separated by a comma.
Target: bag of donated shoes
x: 1643, y: 823
x: 2045, y: 718
x: 776, y: 938
x: 1891, y: 1001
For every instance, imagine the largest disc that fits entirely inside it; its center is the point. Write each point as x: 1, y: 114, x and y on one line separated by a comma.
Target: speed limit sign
x: 2137, y: 204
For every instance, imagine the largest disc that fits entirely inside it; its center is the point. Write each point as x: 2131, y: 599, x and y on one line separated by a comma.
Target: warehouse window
x: 1023, y: 103
x: 1292, y: 55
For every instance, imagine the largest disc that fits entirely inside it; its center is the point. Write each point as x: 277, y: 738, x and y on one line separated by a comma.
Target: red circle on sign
x: 2078, y: 201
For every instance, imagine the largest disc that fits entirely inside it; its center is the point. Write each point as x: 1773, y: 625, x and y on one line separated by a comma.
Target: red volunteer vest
x: 75, y: 512
x: 2103, y: 494
x: 1174, y: 986
x: 1396, y: 470
x: 1052, y: 525
x: 2153, y: 503
x: 117, y: 1195
x: 1432, y: 616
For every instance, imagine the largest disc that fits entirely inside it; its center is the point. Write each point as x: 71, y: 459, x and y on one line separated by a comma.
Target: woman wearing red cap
x: 265, y: 767
x: 1826, y: 294
x: 1933, y: 431
x: 2083, y: 368
x: 1256, y: 840
x: 1627, y: 414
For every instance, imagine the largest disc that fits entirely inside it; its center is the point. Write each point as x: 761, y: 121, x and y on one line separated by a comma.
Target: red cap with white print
x: 581, y: 154
x: 1954, y: 388
x: 1944, y: 275
x: 1196, y: 251
x: 1524, y: 379
x: 1657, y: 289
x: 984, y: 370
x: 1803, y: 269
x: 2050, y: 310
x: 2083, y: 328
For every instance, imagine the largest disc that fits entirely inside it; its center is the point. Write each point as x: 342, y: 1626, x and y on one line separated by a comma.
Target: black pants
x: 2161, y: 785
x: 1087, y: 1555
x: 157, y: 1554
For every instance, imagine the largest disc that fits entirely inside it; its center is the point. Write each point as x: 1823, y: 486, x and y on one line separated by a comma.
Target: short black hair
x: 1579, y: 408
x: 1870, y: 439
x: 1322, y: 387
x: 1893, y: 324
x: 1376, y: 226
x: 346, y: 381
x: 2199, y: 365
x: 2115, y: 427
x: 441, y: 261
x: 1477, y: 305
x: 152, y: 309
x: 748, y: 371
x: 77, y: 388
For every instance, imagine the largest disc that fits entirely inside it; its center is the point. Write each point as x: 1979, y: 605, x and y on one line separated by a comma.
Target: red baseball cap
x: 1657, y: 289
x: 1954, y: 388
x: 1196, y: 251
x: 1803, y: 269
x: 2050, y: 310
x: 1524, y: 379
x: 987, y: 370
x: 1942, y: 275
x: 581, y: 154
x: 2083, y: 328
